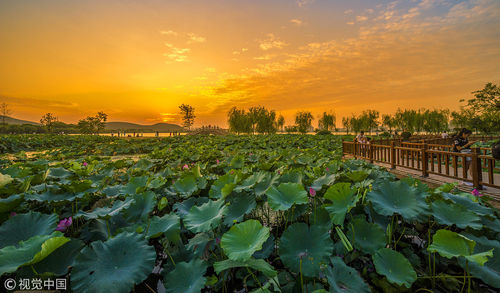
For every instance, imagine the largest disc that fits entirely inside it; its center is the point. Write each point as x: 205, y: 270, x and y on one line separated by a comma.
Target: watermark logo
x: 10, y: 284
x: 35, y: 284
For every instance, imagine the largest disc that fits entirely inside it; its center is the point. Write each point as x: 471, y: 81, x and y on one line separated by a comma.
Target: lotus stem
x: 301, y: 278
x: 447, y: 277
x: 465, y: 275
x: 467, y: 270
x: 34, y: 271
x: 396, y: 244
x: 254, y: 277
x: 173, y: 262
x: 149, y: 287
x: 107, y: 227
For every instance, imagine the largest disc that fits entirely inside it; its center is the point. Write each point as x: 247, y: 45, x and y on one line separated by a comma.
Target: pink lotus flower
x: 12, y: 214
x: 327, y: 169
x: 85, y: 164
x: 217, y: 161
x: 312, y: 192
x: 185, y: 167
x: 250, y: 154
x: 476, y: 192
x: 64, y: 224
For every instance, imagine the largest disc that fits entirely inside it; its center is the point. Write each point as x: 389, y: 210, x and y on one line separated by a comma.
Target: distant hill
x: 10, y: 120
x: 161, y: 127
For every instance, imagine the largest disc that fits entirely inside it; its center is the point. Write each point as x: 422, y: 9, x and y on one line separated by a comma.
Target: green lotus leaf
x: 323, y: 180
x: 357, y: 176
x: 48, y: 247
x: 256, y: 264
x: 205, y: 217
x: 114, y: 265
x: 395, y: 267
x: 135, y: 185
x: 286, y: 195
x: 51, y: 196
x: 239, y: 207
x: 269, y: 180
x: 455, y: 214
x: 198, y: 243
x: 187, y: 277
x: 168, y: 225
x: 112, y: 191
x: 294, y: 176
x: 182, y: 208
x: 367, y: 237
x: 343, y: 278
x: 223, y: 186
x: 59, y: 173
x: 30, y: 251
x: 468, y: 204
x: 450, y: 244
x: 237, y: 162
x: 107, y: 212
x: 22, y: 227
x: 186, y: 186
x: 490, y: 271
x: 10, y: 203
x: 59, y: 260
x: 312, y: 245
x: 5, y: 179
x: 343, y: 199
x: 397, y: 197
x: 243, y: 239
x: 267, y: 248
x: 143, y: 204
x: 251, y: 181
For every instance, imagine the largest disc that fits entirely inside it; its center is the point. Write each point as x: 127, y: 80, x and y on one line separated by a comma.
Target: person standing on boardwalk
x: 361, y: 138
x: 461, y: 144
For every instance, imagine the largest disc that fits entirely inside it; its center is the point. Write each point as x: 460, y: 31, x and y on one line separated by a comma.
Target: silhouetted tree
x: 4, y: 111
x: 48, y: 121
x: 188, y: 116
x: 303, y: 121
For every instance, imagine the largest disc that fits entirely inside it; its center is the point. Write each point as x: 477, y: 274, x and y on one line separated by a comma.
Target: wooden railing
x: 427, y: 158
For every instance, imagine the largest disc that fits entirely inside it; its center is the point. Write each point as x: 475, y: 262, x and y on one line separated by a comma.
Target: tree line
x: 261, y: 120
x: 49, y: 123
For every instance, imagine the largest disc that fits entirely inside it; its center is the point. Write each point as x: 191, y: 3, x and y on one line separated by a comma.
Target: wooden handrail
x: 423, y: 157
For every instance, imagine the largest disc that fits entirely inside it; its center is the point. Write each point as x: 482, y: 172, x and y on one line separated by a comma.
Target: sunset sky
x: 139, y: 60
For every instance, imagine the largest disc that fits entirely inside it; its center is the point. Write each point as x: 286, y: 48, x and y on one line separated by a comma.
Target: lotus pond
x: 280, y: 213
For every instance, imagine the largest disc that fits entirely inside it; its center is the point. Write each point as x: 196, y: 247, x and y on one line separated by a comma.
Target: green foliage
x: 482, y: 112
x: 93, y: 124
x: 242, y: 240
x: 235, y: 212
x: 114, y: 265
x: 303, y: 121
x: 395, y: 267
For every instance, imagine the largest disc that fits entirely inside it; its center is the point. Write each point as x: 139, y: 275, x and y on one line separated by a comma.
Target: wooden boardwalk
x: 435, y: 180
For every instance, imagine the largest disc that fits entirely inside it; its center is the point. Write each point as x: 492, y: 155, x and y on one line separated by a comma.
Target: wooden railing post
x: 355, y: 149
x: 393, y: 156
x: 425, y: 160
x: 477, y: 170
x: 370, y: 153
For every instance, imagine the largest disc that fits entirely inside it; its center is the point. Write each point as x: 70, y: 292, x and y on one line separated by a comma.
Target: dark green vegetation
x: 278, y: 213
